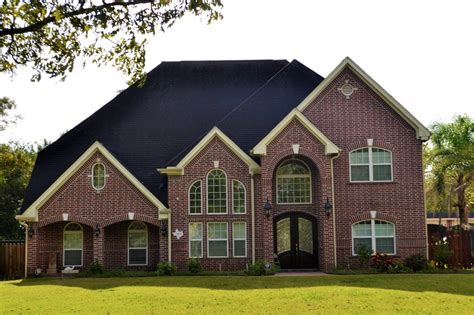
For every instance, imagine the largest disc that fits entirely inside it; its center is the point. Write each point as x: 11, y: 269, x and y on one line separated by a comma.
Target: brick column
x: 98, y: 245
x: 32, y: 251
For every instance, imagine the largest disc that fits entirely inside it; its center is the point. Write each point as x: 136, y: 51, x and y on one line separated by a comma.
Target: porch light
x: 31, y: 231
x: 327, y: 207
x: 267, y: 208
x: 163, y: 229
x: 97, y: 231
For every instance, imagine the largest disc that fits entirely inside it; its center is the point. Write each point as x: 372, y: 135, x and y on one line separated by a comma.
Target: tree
x: 450, y: 159
x: 6, y: 106
x: 49, y: 35
x: 16, y: 165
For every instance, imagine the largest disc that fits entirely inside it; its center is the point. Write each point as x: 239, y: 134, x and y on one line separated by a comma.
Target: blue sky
x: 419, y: 51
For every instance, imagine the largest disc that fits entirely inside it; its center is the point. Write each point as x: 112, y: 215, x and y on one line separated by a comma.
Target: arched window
x: 72, y: 245
x: 98, y: 176
x: 371, y: 165
x: 293, y: 180
x: 137, y: 244
x: 376, y: 235
x: 216, y: 192
x: 195, y: 198
x: 238, y: 197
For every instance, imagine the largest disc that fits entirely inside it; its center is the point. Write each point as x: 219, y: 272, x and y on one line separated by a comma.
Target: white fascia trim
x: 215, y: 132
x: 32, y: 211
x: 261, y: 147
x: 422, y: 132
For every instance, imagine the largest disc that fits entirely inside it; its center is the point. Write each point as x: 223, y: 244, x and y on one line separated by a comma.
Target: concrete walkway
x: 301, y: 274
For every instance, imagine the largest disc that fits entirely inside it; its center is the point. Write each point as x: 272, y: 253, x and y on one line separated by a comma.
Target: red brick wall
x: 349, y: 123
x: 178, y: 202
x: 90, y: 208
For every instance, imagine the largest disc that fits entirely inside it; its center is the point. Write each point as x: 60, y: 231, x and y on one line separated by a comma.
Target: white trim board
x: 422, y: 132
x: 31, y: 213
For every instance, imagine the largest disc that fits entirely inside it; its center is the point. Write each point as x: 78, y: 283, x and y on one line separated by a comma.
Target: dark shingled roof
x: 156, y: 125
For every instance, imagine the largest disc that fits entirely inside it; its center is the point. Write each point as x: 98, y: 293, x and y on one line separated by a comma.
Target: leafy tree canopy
x: 450, y: 164
x: 48, y: 35
x: 6, y: 119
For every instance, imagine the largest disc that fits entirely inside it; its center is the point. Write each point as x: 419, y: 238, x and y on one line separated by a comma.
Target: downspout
x: 169, y: 237
x: 334, y: 209
x: 25, y: 225
x: 252, y: 207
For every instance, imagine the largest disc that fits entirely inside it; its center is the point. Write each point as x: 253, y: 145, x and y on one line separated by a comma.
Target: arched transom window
x: 378, y: 236
x: 137, y: 243
x: 216, y: 192
x: 72, y: 244
x: 371, y: 165
x: 293, y: 181
x: 98, y: 176
x: 195, y: 198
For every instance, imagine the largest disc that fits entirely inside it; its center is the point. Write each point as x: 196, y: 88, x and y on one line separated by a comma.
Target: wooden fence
x: 459, y: 242
x: 12, y: 259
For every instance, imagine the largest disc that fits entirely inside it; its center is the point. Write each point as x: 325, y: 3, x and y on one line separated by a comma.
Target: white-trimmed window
x: 195, y: 197
x: 217, y: 242
x: 216, y: 192
x: 377, y: 235
x: 238, y: 197
x: 371, y: 165
x: 98, y: 176
x: 72, y: 244
x: 293, y: 181
x: 137, y: 244
x: 195, y: 240
x: 239, y: 235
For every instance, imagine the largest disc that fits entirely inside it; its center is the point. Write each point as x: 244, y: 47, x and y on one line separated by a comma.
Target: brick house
x: 232, y: 162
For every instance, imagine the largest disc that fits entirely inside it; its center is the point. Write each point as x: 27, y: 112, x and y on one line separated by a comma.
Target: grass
x: 403, y: 293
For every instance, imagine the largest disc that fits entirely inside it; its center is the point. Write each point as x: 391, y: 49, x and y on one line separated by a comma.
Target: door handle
x: 297, y: 247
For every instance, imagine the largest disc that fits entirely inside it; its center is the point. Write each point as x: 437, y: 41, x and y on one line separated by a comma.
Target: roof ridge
x: 193, y: 143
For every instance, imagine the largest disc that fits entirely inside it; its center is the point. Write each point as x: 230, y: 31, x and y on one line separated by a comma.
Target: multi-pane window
x: 293, y: 182
x: 137, y: 243
x: 376, y: 235
x: 72, y: 244
x: 195, y: 198
x: 238, y: 197
x: 195, y: 240
x: 239, y: 234
x: 217, y: 245
x: 216, y: 192
x: 371, y: 164
x: 98, y: 176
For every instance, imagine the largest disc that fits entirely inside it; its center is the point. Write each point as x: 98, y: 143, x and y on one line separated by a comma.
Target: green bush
x: 416, y: 262
x: 260, y: 268
x: 381, y: 262
x: 363, y: 254
x: 166, y: 269
x: 194, y: 265
x: 442, y: 253
x: 96, y: 268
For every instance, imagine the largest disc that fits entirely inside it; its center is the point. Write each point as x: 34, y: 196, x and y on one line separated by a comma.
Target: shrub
x: 194, y: 265
x: 363, y: 254
x: 416, y: 262
x: 96, y: 268
x: 442, y: 253
x: 166, y: 269
x: 260, y: 268
x: 398, y: 268
x: 381, y: 262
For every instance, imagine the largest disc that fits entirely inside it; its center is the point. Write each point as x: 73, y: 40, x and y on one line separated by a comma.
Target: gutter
x: 169, y: 237
x: 25, y: 225
x: 252, y: 206
x: 334, y: 208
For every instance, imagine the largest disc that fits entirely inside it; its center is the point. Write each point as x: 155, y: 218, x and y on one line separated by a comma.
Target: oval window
x: 98, y: 176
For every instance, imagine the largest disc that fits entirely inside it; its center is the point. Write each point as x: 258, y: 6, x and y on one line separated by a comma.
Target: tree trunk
x: 462, y: 204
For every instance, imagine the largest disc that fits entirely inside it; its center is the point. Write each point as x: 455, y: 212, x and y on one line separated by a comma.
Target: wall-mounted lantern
x: 163, y: 229
x: 267, y: 208
x: 327, y: 207
x: 31, y: 231
x: 97, y: 231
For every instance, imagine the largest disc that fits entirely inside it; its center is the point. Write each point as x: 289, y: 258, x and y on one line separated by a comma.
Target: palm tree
x: 451, y: 160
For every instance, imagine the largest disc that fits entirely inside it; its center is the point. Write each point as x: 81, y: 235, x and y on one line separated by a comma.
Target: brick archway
x: 137, y: 217
x: 70, y: 218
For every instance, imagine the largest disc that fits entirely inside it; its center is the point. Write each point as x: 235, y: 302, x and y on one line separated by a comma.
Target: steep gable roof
x: 422, y: 132
x: 157, y: 125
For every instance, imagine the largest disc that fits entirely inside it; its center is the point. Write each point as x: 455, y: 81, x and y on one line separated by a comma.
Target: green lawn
x: 405, y: 293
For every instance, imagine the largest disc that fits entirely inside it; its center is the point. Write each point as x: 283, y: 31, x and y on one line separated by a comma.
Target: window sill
x: 373, y: 183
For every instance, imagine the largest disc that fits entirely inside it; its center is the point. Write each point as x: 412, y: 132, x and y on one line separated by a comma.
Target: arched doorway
x: 295, y: 240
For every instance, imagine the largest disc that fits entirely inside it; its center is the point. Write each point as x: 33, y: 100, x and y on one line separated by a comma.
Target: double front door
x: 296, y: 241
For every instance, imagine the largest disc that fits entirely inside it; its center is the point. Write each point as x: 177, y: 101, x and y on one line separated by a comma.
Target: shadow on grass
x: 459, y: 284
